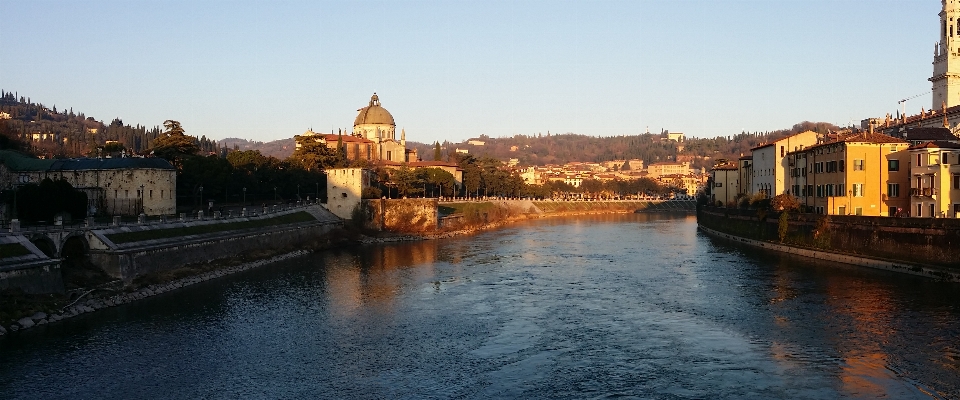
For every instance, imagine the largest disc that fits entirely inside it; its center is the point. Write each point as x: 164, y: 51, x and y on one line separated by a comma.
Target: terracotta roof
x: 725, y: 167
x: 332, y: 138
x: 936, y: 145
x: 930, y: 134
x: 862, y: 137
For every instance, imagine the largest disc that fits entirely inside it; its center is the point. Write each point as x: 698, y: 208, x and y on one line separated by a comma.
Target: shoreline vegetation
x: 22, y: 311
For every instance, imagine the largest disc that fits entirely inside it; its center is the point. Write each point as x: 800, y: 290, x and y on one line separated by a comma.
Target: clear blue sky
x: 456, y: 69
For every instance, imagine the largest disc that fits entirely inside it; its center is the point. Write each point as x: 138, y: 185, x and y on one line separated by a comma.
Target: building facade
x: 345, y: 189
x: 114, y: 186
x: 935, y: 180
x: 725, y: 178
x: 770, y: 162
x: 946, y: 58
x: 857, y: 174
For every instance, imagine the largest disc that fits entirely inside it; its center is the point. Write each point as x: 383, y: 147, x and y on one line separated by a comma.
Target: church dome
x: 374, y: 114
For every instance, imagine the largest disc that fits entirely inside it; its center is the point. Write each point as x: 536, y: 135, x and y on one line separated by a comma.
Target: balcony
x: 923, y: 192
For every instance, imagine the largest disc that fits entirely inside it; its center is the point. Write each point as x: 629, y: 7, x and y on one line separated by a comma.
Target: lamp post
x: 318, y: 191
x: 274, y: 194
x: 201, y: 197
x: 244, y: 196
x: 298, y: 192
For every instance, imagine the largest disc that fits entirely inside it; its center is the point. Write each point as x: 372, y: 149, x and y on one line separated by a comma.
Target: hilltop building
x: 374, y: 137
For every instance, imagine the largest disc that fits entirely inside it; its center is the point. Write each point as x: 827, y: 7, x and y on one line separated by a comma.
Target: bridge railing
x: 11, y: 227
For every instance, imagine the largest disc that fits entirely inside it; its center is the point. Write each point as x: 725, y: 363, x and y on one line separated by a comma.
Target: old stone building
x: 116, y: 186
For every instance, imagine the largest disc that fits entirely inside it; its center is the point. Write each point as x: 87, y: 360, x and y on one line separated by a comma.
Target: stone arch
x: 45, y: 244
x: 74, y: 245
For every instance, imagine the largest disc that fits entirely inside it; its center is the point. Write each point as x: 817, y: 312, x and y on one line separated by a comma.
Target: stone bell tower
x: 946, y: 58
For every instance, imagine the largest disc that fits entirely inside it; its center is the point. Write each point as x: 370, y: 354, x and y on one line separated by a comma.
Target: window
x: 781, y: 151
x: 719, y: 184
x: 893, y: 189
x: 919, y: 210
x: 842, y: 210
x: 151, y: 193
x: 933, y: 212
x: 841, y: 165
x: 918, y: 159
x: 893, y: 165
x: 858, y: 165
x: 857, y: 190
x: 858, y: 211
x: 956, y: 210
x: 956, y: 181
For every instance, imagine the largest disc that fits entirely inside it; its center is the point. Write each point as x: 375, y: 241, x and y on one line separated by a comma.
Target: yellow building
x: 856, y: 174
x: 725, y: 180
x: 935, y: 180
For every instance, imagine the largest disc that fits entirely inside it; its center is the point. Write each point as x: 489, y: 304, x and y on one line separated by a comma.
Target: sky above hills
x: 454, y: 69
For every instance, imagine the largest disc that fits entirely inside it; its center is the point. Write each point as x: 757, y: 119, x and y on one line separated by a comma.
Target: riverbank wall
x: 24, y: 266
x: 921, y: 244
x: 399, y: 215
x: 131, y: 259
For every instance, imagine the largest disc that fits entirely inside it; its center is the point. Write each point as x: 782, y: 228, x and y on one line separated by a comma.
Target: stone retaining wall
x: 917, y: 241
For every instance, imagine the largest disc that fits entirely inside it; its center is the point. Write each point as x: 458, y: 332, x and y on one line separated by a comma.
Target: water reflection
x: 627, y: 305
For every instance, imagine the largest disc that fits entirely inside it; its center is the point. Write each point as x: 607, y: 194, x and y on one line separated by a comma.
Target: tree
x: 438, y: 179
x: 436, y: 151
x: 174, y: 145
x: 313, y: 156
x: 406, y: 181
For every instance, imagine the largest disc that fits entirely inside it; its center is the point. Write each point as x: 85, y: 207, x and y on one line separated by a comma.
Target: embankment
x: 924, y: 246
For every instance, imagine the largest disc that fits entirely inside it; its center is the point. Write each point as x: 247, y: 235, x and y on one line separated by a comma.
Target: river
x: 639, y: 305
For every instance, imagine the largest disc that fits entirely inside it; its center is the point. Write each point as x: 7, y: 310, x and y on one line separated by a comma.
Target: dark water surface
x: 616, y: 306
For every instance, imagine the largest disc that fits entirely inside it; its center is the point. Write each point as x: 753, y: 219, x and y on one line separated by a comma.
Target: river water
x: 636, y: 306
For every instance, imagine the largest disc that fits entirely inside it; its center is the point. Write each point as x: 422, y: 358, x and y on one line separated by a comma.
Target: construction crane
x: 903, y: 103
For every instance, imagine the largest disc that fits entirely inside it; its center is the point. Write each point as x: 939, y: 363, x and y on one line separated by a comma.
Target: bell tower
x: 946, y: 58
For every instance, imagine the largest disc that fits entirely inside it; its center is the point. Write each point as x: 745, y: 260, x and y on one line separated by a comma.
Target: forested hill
x: 651, y: 148
x: 53, y: 132
x: 281, y: 148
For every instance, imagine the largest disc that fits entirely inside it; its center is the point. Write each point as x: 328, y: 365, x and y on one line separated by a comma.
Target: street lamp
x: 244, y: 196
x: 298, y: 192
x: 201, y: 197
x: 274, y: 193
x: 318, y: 191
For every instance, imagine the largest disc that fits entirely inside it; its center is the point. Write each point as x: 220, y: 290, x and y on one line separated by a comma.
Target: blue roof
x: 19, y: 162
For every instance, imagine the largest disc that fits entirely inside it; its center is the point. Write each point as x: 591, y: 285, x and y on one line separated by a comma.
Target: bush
x: 371, y: 192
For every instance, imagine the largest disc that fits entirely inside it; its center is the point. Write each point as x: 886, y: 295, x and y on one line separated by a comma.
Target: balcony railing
x: 926, y: 192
